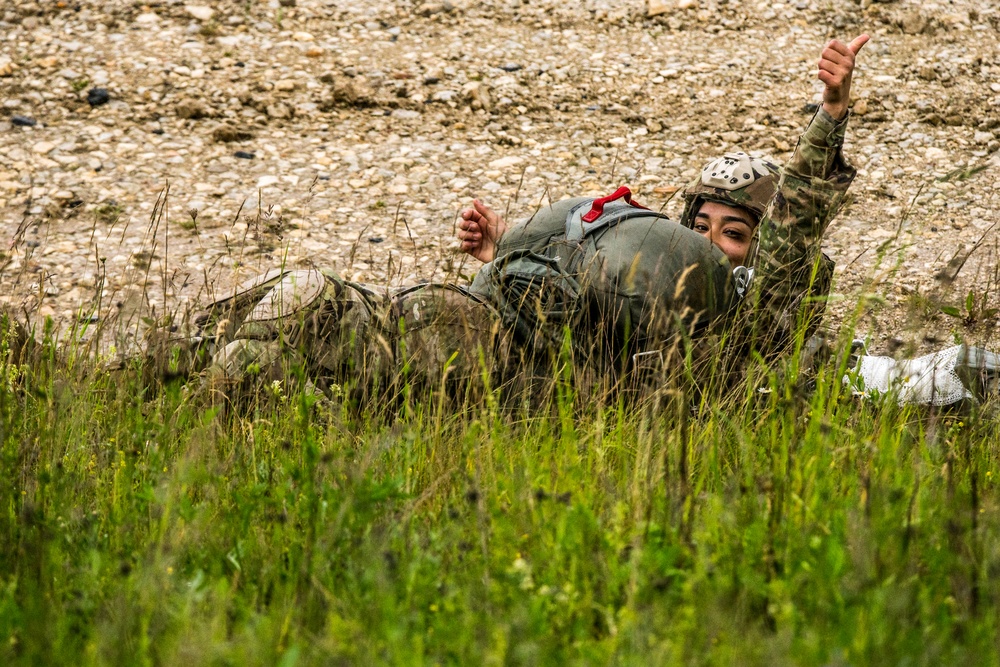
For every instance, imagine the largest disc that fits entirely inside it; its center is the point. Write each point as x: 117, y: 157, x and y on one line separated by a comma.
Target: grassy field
x: 142, y: 525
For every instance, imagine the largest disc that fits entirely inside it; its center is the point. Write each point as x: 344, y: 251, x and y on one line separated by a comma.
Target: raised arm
x: 790, y: 266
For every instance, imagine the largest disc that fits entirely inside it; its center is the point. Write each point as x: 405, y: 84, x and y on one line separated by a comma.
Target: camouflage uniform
x: 349, y: 337
x: 793, y: 277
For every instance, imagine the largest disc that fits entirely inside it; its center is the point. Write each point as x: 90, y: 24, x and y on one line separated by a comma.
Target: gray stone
x: 200, y: 12
x: 279, y: 110
x: 657, y: 7
x: 405, y: 114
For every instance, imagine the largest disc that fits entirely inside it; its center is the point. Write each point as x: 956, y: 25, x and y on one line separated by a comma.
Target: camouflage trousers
x: 345, y: 337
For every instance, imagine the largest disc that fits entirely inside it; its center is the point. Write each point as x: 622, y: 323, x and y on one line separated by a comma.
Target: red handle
x: 598, y: 208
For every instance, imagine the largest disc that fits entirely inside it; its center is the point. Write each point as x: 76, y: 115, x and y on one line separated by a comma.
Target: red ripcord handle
x: 598, y: 208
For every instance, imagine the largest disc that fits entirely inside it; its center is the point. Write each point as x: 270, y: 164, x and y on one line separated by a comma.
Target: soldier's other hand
x: 836, y: 67
x: 479, y: 229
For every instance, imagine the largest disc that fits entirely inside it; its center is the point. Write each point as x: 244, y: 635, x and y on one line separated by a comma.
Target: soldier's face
x: 728, y: 227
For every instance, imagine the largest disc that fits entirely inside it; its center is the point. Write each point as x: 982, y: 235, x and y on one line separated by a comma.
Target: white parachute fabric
x: 926, y: 380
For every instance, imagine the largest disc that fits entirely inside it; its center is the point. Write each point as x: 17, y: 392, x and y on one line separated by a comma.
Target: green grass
x: 143, y: 525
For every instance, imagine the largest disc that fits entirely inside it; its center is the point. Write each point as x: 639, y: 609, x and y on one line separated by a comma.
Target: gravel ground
x: 152, y: 155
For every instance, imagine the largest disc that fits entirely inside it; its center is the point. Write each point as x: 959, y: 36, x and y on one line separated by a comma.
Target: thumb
x: 858, y: 42
x: 483, y: 209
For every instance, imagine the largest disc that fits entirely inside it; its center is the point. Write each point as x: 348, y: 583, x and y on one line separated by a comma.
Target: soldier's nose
x: 715, y: 235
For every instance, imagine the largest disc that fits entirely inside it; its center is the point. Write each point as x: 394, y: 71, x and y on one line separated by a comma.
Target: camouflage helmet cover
x: 736, y: 179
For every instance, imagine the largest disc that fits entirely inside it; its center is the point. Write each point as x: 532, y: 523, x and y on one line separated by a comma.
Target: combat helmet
x: 735, y: 179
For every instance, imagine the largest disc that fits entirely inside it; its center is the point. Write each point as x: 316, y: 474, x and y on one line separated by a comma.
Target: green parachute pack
x: 606, y: 268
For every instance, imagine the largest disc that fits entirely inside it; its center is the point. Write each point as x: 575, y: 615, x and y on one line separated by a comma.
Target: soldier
x: 727, y: 204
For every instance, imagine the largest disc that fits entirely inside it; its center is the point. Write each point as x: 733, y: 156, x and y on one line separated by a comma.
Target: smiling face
x: 727, y: 227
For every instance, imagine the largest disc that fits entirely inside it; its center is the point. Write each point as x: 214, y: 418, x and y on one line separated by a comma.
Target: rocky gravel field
x: 153, y: 154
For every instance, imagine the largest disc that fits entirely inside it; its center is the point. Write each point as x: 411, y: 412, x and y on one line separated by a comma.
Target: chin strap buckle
x: 742, y: 276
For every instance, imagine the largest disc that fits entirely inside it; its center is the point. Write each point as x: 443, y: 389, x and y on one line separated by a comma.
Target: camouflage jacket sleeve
x: 793, y: 277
